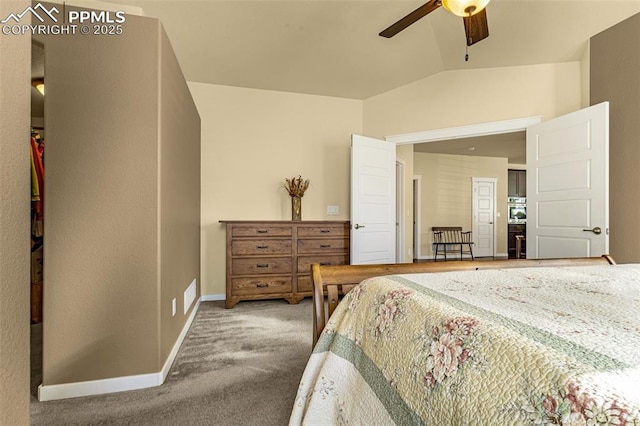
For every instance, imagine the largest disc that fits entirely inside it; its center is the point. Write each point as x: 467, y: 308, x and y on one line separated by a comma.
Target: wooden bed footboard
x: 335, y: 281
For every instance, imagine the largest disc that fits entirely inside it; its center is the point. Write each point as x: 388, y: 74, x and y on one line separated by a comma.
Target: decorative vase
x: 296, y: 208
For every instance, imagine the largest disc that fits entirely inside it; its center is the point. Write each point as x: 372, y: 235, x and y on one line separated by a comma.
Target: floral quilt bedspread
x: 534, y: 346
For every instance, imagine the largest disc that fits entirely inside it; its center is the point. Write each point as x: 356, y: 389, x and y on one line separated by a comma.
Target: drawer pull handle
x: 325, y: 231
x: 262, y: 231
x: 325, y: 245
x: 262, y: 285
x: 262, y: 265
x: 325, y: 263
x: 262, y: 247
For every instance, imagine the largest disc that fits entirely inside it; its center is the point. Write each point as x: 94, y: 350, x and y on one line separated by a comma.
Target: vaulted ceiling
x: 332, y: 47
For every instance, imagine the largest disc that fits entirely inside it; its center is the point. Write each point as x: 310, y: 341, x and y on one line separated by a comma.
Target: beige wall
x: 101, y: 234
x: 447, y: 194
x: 585, y: 75
x: 615, y: 77
x: 122, y: 203
x: 15, y: 87
x: 179, y: 196
x: 253, y: 139
x: 456, y: 98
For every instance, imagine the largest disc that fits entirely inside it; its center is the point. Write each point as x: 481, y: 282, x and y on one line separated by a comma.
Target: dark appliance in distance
x: 517, y: 222
x: 516, y: 210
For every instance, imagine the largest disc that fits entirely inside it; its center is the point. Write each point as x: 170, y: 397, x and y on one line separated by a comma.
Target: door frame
x: 400, y: 206
x: 467, y: 131
x: 417, y: 213
x: 474, y: 197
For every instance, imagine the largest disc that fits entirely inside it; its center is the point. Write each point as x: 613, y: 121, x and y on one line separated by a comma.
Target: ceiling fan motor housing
x: 464, y: 7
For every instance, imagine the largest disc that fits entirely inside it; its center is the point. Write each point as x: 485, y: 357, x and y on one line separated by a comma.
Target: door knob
x: 358, y: 226
x: 597, y: 230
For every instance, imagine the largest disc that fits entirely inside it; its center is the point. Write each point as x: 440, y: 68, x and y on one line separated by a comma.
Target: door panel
x: 559, y: 246
x: 564, y: 176
x: 554, y: 213
x: 373, y: 200
x: 568, y: 185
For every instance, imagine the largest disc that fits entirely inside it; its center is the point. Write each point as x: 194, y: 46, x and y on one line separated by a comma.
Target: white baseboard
x: 174, y: 351
x: 97, y: 387
x: 117, y: 384
x: 213, y: 297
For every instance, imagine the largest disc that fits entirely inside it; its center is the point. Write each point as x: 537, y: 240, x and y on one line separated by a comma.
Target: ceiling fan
x: 473, y: 13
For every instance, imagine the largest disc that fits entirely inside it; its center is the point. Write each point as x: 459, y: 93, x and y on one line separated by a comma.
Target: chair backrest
x: 450, y: 234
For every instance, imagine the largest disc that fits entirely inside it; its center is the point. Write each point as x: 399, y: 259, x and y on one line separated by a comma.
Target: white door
x: 484, y: 205
x: 373, y: 201
x: 568, y: 185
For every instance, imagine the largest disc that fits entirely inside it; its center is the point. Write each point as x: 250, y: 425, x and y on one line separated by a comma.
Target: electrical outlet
x: 174, y: 307
x: 333, y: 210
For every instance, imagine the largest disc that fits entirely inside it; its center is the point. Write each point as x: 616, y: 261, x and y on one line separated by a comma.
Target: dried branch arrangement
x: 296, y: 186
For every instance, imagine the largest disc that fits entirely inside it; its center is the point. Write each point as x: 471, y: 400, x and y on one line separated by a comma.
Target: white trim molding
x: 213, y: 297
x: 470, y: 131
x: 417, y: 217
x: 401, y: 165
x: 118, y: 384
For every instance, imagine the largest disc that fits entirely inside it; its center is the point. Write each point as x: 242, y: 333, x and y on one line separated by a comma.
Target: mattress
x: 530, y: 346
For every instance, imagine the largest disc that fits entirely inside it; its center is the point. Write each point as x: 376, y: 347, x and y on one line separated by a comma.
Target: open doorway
x: 502, y: 139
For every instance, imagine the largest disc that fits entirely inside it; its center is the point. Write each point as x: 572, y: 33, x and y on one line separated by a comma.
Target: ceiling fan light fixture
x: 39, y: 85
x: 464, y: 7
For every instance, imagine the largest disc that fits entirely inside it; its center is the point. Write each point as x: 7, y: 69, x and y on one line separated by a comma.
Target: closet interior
x: 36, y: 140
x: 36, y: 145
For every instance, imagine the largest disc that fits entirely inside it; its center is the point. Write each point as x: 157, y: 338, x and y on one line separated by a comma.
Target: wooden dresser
x: 272, y: 259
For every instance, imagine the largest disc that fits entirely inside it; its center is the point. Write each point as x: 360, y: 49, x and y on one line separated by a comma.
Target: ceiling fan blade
x: 417, y: 14
x: 476, y: 27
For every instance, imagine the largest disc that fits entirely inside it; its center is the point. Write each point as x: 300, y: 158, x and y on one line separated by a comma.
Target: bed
x: 474, y: 343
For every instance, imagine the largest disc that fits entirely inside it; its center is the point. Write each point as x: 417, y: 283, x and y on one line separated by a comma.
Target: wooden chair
x: 451, y: 239
x: 336, y: 281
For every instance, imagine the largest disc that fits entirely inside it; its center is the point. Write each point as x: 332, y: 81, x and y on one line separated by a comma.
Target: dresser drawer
x: 304, y: 283
x: 304, y: 262
x: 323, y: 231
x: 333, y: 245
x: 261, y: 231
x: 260, y: 247
x: 253, y: 266
x: 260, y: 285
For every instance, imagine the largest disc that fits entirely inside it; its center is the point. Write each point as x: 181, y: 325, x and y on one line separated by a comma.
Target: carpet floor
x: 237, y: 366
